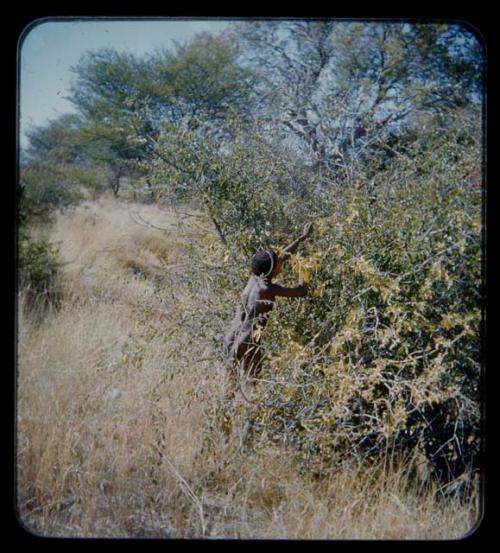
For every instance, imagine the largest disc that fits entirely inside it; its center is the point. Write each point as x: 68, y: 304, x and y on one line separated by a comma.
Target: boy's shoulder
x: 262, y: 287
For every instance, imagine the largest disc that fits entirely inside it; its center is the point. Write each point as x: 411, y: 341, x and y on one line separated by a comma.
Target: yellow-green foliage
x: 385, y: 350
x: 389, y: 332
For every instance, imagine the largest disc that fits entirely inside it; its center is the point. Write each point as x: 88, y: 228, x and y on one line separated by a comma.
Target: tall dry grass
x: 124, y: 426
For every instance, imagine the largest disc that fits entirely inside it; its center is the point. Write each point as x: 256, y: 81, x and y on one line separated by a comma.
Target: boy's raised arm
x: 295, y: 292
x: 292, y: 248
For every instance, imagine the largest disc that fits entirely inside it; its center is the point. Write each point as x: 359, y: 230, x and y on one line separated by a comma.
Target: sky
x: 49, y: 48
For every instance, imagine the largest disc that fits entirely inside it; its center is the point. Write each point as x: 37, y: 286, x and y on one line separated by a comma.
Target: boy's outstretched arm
x: 296, y: 292
x: 292, y: 248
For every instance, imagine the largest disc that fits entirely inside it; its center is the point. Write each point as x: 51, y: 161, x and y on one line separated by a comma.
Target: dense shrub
x: 389, y: 333
x: 39, y: 272
x: 46, y: 187
x: 384, y: 353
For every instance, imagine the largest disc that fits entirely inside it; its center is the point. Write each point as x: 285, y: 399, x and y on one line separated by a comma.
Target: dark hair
x: 261, y: 262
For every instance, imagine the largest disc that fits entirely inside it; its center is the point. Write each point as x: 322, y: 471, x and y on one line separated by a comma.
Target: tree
x: 124, y: 99
x: 57, y: 141
x: 55, y: 166
x: 111, y: 95
x: 201, y: 78
x: 336, y: 87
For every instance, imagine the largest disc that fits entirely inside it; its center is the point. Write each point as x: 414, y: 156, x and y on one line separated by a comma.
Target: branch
x: 139, y: 220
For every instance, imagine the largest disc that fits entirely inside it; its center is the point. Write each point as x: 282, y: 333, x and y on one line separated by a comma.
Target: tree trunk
x: 115, y: 184
x: 151, y: 190
x: 216, y: 225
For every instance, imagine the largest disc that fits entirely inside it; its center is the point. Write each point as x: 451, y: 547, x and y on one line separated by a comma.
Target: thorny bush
x: 384, y: 352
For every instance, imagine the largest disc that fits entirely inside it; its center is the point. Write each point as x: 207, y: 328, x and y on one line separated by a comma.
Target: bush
x: 384, y: 353
x: 45, y: 188
x: 40, y: 273
x: 48, y: 187
x: 385, y: 350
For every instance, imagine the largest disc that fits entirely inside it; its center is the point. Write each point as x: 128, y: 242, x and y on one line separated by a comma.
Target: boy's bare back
x: 241, y: 341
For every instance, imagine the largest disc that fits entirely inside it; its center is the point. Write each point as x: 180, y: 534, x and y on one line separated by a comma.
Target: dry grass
x: 121, y: 413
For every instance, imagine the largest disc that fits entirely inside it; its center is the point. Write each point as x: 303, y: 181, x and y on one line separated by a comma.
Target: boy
x: 242, y: 340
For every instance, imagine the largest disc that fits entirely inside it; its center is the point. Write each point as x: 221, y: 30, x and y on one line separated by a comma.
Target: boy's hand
x: 307, y: 230
x: 292, y: 248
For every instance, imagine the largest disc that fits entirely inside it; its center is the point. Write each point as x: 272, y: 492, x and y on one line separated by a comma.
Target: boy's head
x: 265, y: 263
